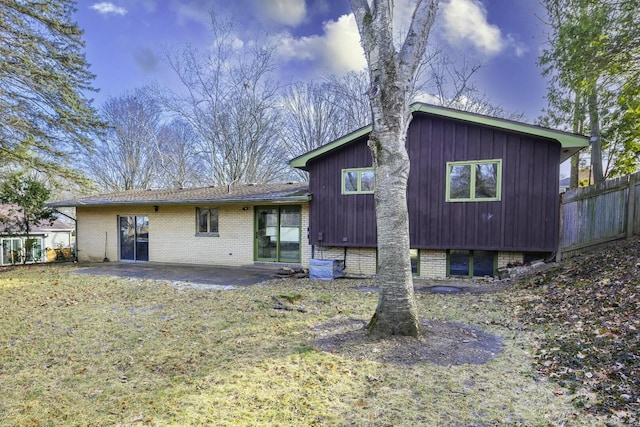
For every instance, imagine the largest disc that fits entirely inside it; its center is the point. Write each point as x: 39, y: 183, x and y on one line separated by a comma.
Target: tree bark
x: 392, y: 75
x: 574, y: 180
x: 596, y: 139
x: 396, y: 313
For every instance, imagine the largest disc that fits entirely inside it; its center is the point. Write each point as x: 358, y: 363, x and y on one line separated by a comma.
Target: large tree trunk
x: 396, y: 313
x: 392, y: 73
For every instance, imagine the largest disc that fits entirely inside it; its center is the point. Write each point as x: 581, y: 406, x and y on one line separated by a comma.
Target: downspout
x: 344, y: 259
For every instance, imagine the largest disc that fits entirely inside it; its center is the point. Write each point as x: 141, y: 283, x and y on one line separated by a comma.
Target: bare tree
x: 177, y: 161
x: 351, y: 93
x: 229, y: 97
x: 125, y: 159
x: 392, y: 72
x: 454, y: 85
x: 316, y: 113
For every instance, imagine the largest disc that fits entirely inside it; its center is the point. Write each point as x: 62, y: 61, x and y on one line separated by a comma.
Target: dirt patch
x: 443, y: 343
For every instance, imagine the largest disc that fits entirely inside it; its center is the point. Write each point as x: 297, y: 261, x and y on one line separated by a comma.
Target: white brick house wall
x: 172, y: 234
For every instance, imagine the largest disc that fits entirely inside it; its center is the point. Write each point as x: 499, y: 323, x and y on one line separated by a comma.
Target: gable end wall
x: 526, y: 219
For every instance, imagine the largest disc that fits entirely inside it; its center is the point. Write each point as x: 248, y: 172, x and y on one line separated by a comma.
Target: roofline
x: 35, y: 232
x: 300, y: 162
x: 570, y: 142
x: 80, y: 203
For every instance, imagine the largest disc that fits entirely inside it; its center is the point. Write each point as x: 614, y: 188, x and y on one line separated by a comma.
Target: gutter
x: 70, y: 203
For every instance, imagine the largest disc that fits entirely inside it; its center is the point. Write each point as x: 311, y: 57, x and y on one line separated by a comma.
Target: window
x: 477, y: 181
x: 471, y: 263
x: 415, y: 261
x: 358, y: 181
x: 16, y: 250
x: 207, y: 221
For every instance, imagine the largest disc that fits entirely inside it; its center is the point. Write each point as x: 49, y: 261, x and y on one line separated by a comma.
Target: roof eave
x: 567, y: 153
x: 570, y: 143
x: 300, y: 162
x: 80, y: 203
x: 566, y: 139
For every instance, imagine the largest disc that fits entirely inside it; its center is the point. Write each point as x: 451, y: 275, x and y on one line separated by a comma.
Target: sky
x: 126, y: 40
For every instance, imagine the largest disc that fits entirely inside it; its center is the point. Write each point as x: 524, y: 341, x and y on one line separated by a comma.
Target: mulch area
x: 443, y: 343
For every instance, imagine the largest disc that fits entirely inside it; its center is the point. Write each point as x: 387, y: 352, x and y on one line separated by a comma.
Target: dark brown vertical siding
x: 347, y: 220
x: 525, y: 220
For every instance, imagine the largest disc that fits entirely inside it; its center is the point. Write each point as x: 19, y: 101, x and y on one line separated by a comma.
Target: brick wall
x: 305, y: 247
x: 433, y: 263
x: 362, y: 261
x: 172, y: 235
x: 359, y: 261
x: 94, y: 226
x: 505, y: 258
x: 173, y: 239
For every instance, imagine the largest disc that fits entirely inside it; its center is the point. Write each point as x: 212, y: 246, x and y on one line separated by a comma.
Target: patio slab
x: 183, y: 273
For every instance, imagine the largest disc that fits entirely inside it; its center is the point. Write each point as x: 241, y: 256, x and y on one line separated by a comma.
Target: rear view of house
x: 482, y: 193
x: 226, y: 225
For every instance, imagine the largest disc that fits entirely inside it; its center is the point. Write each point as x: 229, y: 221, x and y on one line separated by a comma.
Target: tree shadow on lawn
x: 443, y: 343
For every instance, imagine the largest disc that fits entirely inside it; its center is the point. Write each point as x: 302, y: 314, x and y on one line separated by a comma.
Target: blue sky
x: 125, y: 40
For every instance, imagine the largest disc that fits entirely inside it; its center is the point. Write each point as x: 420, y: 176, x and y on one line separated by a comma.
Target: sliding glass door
x: 278, y: 234
x: 19, y: 250
x: 134, y: 238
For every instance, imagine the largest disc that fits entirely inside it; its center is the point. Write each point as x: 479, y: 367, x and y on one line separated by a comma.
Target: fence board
x: 600, y: 213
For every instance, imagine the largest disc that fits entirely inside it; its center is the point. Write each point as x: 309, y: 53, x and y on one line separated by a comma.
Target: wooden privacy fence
x: 601, y: 213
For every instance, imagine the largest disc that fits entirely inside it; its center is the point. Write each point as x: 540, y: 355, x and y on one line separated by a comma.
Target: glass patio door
x: 11, y: 251
x: 278, y: 234
x: 18, y: 250
x: 134, y: 238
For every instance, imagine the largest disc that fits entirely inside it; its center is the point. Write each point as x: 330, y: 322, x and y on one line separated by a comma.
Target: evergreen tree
x: 46, y: 117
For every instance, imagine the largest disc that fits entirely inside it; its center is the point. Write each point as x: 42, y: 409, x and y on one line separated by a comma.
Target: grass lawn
x: 86, y: 350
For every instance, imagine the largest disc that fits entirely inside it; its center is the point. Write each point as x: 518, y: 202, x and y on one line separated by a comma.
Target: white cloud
x: 106, y: 8
x: 519, y: 49
x: 344, y: 51
x: 402, y: 14
x: 193, y: 11
x: 287, y: 12
x: 465, y: 22
x: 338, y: 50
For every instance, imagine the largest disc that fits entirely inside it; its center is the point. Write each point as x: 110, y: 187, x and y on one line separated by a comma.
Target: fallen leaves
x: 590, y: 309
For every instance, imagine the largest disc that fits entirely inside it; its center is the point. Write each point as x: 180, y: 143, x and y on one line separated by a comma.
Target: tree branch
x: 415, y: 43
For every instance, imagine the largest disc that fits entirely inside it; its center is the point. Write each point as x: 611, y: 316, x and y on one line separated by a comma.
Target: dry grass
x: 83, y: 350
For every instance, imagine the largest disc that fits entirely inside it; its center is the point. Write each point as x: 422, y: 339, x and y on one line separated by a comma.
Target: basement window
x: 415, y: 261
x: 471, y: 263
